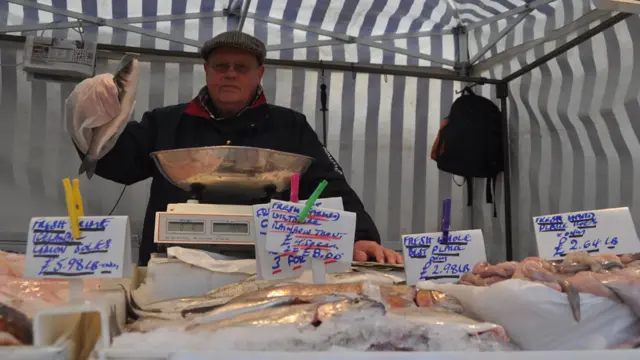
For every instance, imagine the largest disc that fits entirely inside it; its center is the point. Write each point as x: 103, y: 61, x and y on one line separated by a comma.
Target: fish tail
x: 573, y: 296
x: 89, y: 166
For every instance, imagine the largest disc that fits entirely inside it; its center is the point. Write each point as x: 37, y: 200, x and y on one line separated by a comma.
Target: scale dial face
x: 178, y: 228
x: 196, y: 227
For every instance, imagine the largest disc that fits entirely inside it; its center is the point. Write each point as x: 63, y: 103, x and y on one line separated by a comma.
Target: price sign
x: 271, y: 265
x: 102, y: 251
x: 609, y: 231
x: 428, y: 257
x: 325, y: 234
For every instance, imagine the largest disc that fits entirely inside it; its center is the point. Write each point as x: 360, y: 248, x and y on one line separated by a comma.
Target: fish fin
x: 88, y: 166
x: 124, y: 69
x: 573, y: 296
x: 125, y: 64
x: 627, y: 294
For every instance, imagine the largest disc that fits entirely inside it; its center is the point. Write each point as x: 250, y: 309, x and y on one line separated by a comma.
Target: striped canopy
x: 408, y: 32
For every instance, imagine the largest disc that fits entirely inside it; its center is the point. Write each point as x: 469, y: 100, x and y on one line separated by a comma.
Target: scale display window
x: 235, y: 228
x: 191, y: 227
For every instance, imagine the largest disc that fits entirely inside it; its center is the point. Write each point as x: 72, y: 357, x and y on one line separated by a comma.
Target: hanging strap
x: 469, y: 191
x: 490, y: 191
x: 469, y: 182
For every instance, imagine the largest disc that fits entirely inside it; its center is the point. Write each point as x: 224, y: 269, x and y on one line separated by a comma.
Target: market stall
x: 385, y: 57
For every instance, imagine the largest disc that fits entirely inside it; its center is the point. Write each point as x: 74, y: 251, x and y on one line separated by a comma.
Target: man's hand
x: 363, y: 250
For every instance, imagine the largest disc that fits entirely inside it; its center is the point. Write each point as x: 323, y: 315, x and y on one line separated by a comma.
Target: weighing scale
x: 206, y: 173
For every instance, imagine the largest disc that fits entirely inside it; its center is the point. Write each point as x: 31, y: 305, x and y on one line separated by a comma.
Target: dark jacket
x: 190, y: 125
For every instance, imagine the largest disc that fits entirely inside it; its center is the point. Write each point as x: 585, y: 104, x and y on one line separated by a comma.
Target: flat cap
x: 236, y: 40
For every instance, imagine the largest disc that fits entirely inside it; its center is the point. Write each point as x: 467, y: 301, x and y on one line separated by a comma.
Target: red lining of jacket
x: 196, y: 108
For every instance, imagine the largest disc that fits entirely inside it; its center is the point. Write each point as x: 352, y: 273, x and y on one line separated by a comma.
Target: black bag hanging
x: 469, y: 142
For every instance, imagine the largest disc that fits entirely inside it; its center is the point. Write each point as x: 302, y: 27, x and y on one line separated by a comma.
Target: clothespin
x: 75, y: 208
x: 312, y: 200
x: 446, y: 220
x: 295, y: 188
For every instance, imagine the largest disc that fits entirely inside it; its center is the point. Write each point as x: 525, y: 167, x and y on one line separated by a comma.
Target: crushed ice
x: 376, y: 333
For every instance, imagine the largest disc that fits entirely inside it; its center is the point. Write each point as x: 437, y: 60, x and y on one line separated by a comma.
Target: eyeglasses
x: 223, y: 68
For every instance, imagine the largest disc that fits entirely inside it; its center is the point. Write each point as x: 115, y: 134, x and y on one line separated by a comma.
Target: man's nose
x: 231, y: 72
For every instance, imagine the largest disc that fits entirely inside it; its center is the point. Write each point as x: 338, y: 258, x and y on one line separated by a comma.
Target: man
x: 231, y: 110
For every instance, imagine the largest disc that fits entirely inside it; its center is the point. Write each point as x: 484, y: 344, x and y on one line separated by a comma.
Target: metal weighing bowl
x: 235, y: 169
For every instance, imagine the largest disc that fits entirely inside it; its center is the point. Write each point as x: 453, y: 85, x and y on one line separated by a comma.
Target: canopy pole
x: 569, y: 45
x: 323, y: 107
x: 502, y: 92
x: 243, y: 16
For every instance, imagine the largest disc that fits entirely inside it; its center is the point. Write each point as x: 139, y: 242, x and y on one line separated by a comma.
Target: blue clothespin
x: 446, y: 220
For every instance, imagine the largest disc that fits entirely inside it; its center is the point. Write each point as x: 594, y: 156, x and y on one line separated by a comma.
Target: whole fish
x: 313, y: 314
x: 126, y: 81
x: 377, y: 266
x: 432, y: 315
x: 398, y: 296
x: 625, y: 286
x: 433, y: 298
x: 238, y: 308
x: 444, y: 316
x: 377, y: 276
x: 178, y: 305
x: 303, y: 314
x: 632, y: 343
x: 627, y: 259
x: 148, y: 324
x: 247, y: 285
x: 17, y: 324
x: 351, y: 309
x: 286, y: 289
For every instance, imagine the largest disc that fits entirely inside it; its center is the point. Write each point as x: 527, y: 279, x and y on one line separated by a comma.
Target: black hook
x: 467, y: 89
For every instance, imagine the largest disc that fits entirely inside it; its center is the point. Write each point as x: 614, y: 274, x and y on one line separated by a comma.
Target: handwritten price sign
x: 428, y: 257
x: 609, y: 231
x: 272, y: 265
x: 102, y: 251
x: 325, y: 234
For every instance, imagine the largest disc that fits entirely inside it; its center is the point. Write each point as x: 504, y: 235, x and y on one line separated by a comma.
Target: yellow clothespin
x: 77, y: 196
x: 74, y: 205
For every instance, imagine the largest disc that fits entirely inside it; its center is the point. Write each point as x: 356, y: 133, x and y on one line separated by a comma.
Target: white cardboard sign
x: 271, y: 265
x: 102, y: 251
x: 609, y: 231
x: 426, y: 257
x: 325, y: 235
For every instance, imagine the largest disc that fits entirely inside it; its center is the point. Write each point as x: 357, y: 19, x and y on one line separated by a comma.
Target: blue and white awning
x: 407, y: 32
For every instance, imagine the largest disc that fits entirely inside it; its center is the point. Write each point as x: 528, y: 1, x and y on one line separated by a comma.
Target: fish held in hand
x: 126, y: 82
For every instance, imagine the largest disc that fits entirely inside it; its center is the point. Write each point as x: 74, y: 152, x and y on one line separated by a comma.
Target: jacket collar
x: 202, y: 104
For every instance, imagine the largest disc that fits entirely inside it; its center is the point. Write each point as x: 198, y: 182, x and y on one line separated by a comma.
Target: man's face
x: 232, y: 78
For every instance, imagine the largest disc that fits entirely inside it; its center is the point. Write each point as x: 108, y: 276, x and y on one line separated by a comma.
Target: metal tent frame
x: 465, y: 68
